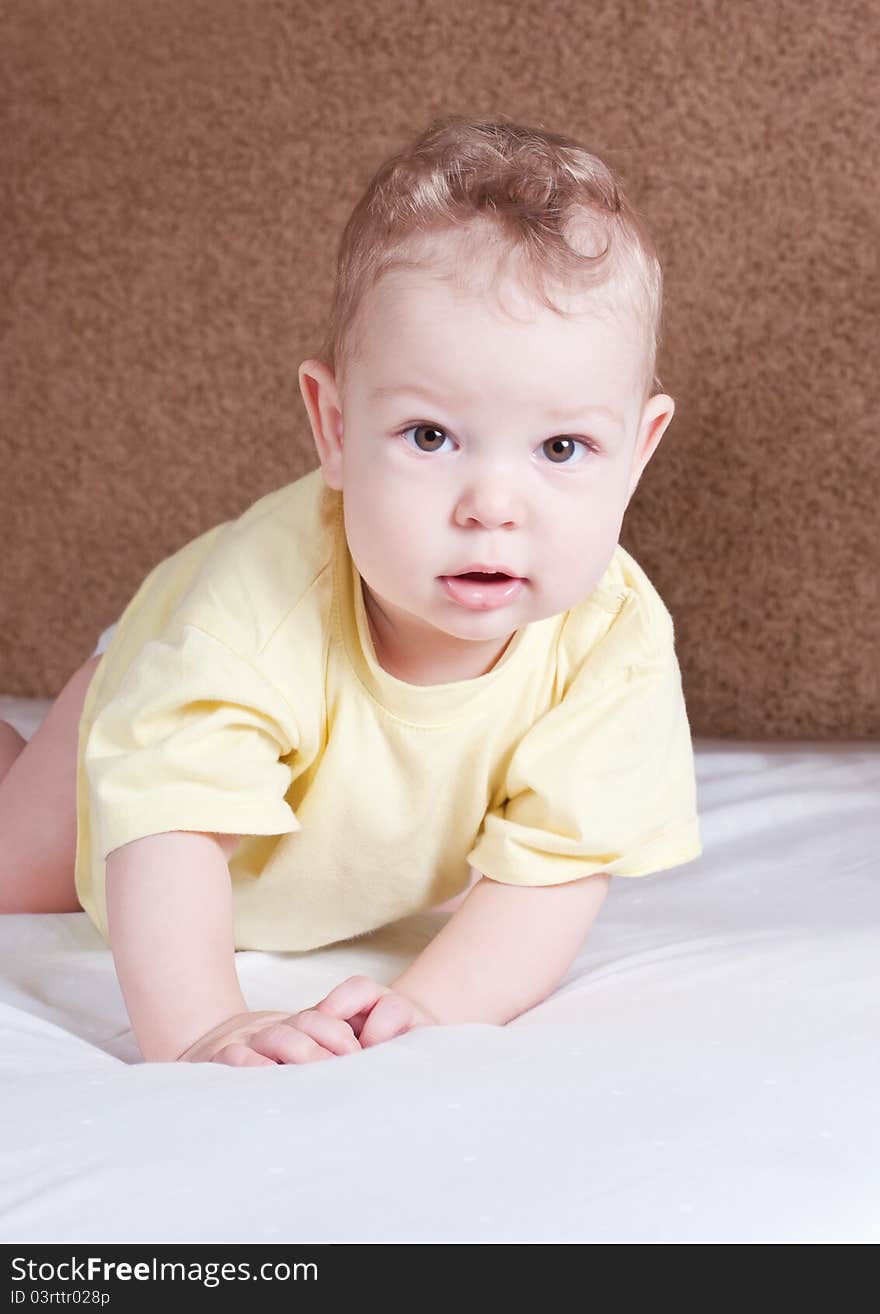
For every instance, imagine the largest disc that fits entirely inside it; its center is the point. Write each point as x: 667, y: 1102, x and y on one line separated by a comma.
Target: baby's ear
x: 324, y: 405
x: 656, y: 418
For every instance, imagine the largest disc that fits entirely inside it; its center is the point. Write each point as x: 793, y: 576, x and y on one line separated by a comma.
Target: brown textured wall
x: 176, y: 175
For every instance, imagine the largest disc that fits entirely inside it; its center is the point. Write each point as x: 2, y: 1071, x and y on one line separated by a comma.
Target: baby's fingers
x: 333, y: 1033
x: 240, y: 1055
x: 392, y: 1016
x: 352, y: 998
x: 285, y: 1043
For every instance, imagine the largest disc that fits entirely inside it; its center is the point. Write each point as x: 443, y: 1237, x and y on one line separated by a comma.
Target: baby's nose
x: 495, y: 503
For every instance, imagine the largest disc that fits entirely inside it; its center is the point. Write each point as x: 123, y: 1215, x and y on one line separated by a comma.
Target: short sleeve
x: 193, y: 738
x: 603, y: 782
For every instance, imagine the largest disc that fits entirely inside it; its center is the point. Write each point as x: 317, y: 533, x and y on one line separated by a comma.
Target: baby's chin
x: 481, y: 625
x: 463, y: 623
x: 432, y: 606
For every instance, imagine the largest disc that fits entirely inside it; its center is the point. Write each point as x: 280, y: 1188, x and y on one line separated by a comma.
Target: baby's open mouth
x: 483, y: 590
x: 481, y: 576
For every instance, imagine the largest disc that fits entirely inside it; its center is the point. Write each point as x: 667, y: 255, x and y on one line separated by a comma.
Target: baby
x: 424, y: 674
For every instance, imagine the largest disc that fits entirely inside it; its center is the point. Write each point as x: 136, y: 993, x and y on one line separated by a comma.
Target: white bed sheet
x: 706, y: 1072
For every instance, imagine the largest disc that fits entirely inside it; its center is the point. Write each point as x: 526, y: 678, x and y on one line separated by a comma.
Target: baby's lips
x: 489, y: 575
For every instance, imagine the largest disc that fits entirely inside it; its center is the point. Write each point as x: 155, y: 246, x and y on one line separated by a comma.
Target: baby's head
x: 486, y: 393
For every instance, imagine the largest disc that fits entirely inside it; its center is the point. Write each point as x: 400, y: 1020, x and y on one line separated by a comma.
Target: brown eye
x: 433, y: 440
x: 559, y: 450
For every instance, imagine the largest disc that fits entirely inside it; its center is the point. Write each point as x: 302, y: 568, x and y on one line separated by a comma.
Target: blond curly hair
x: 504, y: 191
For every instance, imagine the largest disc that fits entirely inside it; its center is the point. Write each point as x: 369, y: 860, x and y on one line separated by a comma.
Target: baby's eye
x: 560, y: 449
x: 433, y: 440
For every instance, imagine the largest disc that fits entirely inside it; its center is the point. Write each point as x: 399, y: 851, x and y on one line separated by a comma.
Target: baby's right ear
x: 324, y: 405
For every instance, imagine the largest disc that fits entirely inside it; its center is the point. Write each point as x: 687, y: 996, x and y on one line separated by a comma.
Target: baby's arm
x: 169, y: 908
x: 504, y: 950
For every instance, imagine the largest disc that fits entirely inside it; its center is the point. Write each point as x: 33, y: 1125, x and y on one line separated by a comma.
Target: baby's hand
x: 250, y: 1040
x: 375, y: 1012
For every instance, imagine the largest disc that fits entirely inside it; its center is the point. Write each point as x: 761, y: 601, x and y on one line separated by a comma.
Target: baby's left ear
x: 656, y: 417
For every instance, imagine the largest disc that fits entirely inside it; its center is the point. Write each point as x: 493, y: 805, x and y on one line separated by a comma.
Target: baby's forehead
x: 459, y: 336
x: 409, y: 300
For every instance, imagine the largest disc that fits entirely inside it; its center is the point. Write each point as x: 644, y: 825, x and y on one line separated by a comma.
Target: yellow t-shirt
x: 241, y: 694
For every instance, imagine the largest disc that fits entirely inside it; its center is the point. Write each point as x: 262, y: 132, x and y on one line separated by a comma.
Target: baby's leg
x: 11, y: 744
x: 38, y: 807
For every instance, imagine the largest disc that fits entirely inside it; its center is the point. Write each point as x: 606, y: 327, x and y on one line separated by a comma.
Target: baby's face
x: 464, y: 438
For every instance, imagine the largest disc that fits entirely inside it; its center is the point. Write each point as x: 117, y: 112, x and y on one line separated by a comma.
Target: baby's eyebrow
x: 569, y: 417
x: 558, y: 416
x: 401, y: 390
